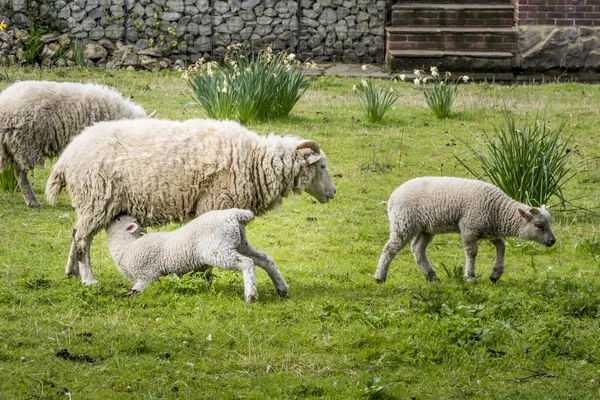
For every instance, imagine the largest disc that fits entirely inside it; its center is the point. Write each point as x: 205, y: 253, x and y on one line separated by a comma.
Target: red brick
x: 591, y: 15
x: 557, y: 15
x: 584, y: 22
x: 565, y: 22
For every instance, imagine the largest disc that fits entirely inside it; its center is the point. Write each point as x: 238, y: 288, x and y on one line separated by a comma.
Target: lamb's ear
x: 528, y: 217
x: 132, y: 227
x: 534, y: 211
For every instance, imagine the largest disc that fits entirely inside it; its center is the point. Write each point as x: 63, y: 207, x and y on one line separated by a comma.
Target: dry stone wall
x: 147, y: 33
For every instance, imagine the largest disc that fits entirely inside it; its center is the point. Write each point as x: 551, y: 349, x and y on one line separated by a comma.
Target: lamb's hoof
x: 251, y: 298
x: 494, y: 280
x: 128, y: 293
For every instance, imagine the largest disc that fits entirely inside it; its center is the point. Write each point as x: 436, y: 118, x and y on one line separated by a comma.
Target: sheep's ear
x: 131, y: 228
x: 534, y: 211
x: 528, y: 217
x: 545, y: 207
x: 153, y: 114
x: 313, y: 158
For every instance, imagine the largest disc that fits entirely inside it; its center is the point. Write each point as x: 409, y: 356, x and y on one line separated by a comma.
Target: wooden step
x: 462, y: 15
x: 452, y: 39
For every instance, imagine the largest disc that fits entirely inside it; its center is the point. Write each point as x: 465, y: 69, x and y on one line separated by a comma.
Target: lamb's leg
x: 72, y: 268
x: 419, y: 249
x: 245, y: 265
x: 499, y: 263
x: 390, y: 250
x: 25, y: 186
x: 470, y: 252
x: 266, y: 262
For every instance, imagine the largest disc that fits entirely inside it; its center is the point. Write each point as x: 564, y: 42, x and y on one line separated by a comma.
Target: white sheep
x: 215, y: 239
x: 39, y: 118
x: 424, y: 207
x: 159, y: 171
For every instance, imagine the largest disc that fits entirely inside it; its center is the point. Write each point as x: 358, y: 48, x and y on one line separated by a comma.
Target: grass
x: 339, y: 335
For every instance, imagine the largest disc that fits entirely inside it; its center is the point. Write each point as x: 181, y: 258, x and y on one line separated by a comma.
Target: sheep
x: 159, y: 171
x: 424, y: 207
x: 214, y: 239
x: 39, y: 118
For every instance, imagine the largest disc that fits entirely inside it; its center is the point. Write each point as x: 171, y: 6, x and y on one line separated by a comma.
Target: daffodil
x: 466, y: 78
x: 434, y: 71
x: 417, y: 81
x: 292, y: 56
x: 364, y: 67
x: 417, y: 72
x: 364, y: 83
x: 3, y: 25
x: 402, y: 77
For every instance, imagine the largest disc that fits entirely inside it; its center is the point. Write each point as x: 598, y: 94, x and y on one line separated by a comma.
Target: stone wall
x: 186, y: 30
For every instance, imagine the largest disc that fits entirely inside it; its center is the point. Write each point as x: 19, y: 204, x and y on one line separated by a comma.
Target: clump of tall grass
x: 78, y: 56
x: 7, y: 178
x: 33, y: 46
x: 255, y: 87
x: 439, y: 93
x: 375, y: 99
x: 530, y: 163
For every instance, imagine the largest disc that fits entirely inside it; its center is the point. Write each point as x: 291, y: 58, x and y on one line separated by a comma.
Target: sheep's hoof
x: 283, y: 293
x: 494, y: 280
x: 251, y: 298
x: 128, y: 293
x: 433, y: 278
x: 34, y: 204
x: 379, y: 280
x: 470, y: 279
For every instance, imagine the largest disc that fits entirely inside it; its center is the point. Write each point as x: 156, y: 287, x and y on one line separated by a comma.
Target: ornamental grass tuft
x: 7, y: 178
x: 254, y: 87
x: 530, y: 164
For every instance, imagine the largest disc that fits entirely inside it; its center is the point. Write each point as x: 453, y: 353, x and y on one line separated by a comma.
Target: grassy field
x: 532, y: 335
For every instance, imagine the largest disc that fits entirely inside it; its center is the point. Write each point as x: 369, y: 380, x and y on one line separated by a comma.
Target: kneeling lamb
x: 424, y: 207
x: 215, y: 239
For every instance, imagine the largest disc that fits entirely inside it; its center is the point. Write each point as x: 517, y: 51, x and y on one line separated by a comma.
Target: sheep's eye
x: 323, y: 166
x: 539, y: 226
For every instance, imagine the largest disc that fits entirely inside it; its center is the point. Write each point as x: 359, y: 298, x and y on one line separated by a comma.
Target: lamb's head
x: 125, y: 225
x: 536, y: 226
x: 321, y: 186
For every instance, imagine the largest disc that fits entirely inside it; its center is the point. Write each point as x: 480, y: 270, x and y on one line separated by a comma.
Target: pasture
x: 339, y: 335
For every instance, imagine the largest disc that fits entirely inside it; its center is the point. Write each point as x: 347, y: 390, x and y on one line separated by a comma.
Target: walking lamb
x: 215, y: 239
x: 424, y: 207
x: 159, y: 171
x: 39, y: 118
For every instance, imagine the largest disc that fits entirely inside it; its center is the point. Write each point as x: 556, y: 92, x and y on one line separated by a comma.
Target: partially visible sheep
x: 159, y: 171
x: 215, y: 239
x: 39, y: 118
x: 424, y: 207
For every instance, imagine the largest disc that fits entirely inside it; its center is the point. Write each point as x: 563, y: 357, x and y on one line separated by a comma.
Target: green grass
x: 339, y: 335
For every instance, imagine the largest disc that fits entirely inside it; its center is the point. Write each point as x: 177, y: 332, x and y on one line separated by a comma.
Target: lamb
x: 159, y: 171
x: 39, y: 118
x: 424, y: 207
x: 215, y: 239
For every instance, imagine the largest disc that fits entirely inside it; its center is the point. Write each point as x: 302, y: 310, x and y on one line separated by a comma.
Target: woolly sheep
x: 424, y: 207
x: 215, y: 239
x: 39, y: 118
x: 158, y: 171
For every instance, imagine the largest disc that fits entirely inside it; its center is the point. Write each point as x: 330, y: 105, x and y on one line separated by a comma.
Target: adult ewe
x: 215, y: 239
x: 39, y: 118
x: 424, y: 207
x: 159, y: 171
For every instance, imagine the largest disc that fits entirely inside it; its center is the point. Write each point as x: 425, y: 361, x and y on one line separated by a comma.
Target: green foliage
x: 61, y: 52
x: 440, y: 93
x: 33, y: 46
x: 530, y: 164
x: 375, y: 99
x: 8, y: 181
x: 255, y: 87
x: 78, y: 57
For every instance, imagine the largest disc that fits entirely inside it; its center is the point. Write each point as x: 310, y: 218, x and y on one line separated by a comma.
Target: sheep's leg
x: 25, y: 186
x: 499, y: 263
x: 266, y: 262
x: 390, y: 250
x: 72, y: 268
x: 419, y: 249
x: 470, y: 252
x: 85, y: 265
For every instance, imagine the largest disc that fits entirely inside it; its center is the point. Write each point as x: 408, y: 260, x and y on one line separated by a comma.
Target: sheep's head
x: 321, y: 186
x: 537, y: 226
x: 125, y: 224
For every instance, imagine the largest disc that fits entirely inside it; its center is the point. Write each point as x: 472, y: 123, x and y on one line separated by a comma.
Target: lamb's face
x: 537, y: 226
x: 125, y: 224
x: 321, y: 187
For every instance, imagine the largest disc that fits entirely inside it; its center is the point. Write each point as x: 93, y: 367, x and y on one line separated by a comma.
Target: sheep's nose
x: 334, y: 191
x: 550, y: 242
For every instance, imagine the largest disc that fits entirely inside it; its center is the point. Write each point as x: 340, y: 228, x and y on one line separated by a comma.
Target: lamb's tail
x: 244, y: 216
x: 55, y: 183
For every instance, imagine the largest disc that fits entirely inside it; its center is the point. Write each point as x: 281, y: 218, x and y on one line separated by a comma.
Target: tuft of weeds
x: 439, y: 93
x: 8, y: 181
x: 33, y: 46
x: 375, y: 99
x: 78, y: 56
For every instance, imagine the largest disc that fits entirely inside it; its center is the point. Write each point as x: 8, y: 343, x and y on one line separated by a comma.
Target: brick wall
x: 557, y: 12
